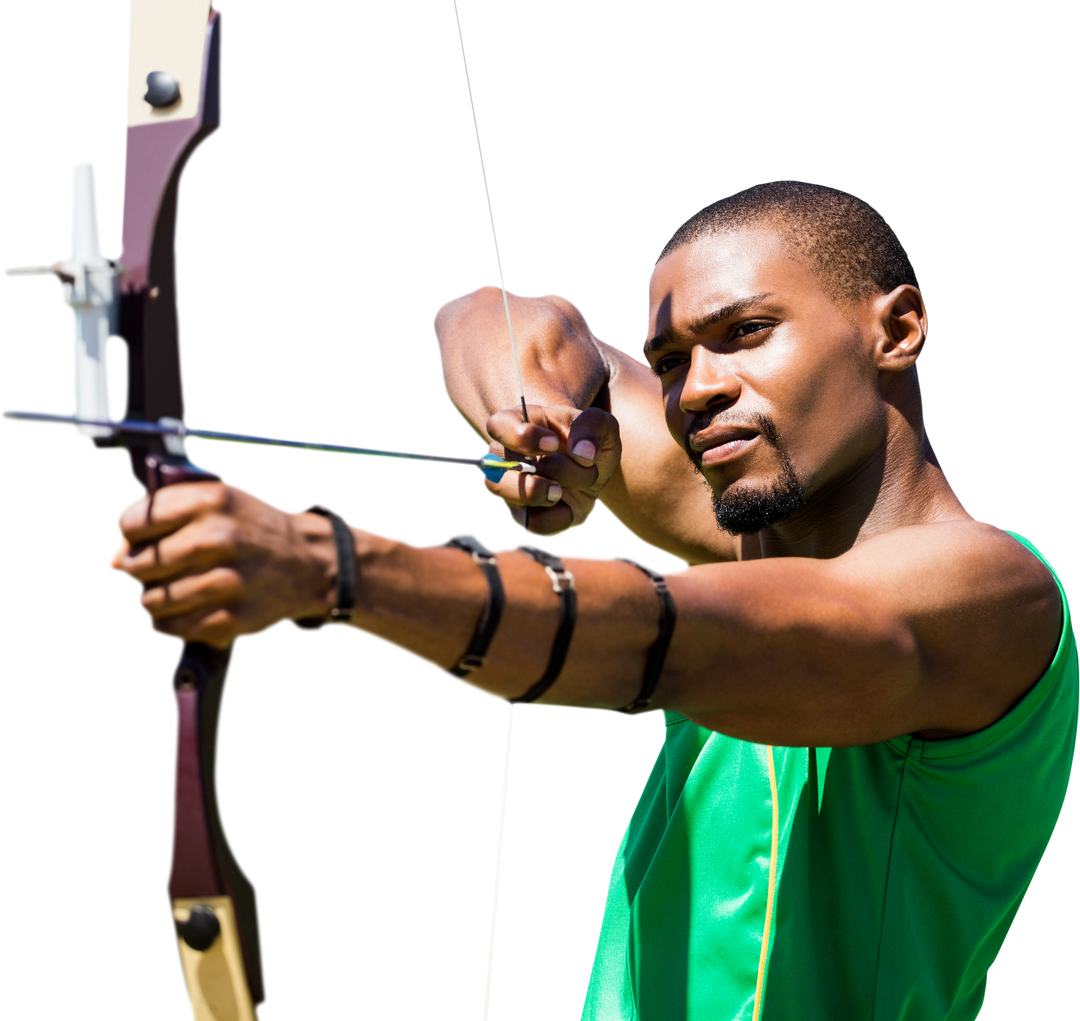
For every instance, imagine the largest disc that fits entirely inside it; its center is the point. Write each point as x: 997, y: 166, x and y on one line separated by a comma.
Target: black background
x: 339, y: 205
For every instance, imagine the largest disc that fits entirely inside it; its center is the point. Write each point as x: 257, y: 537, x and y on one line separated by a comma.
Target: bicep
x: 984, y: 611
x: 656, y: 493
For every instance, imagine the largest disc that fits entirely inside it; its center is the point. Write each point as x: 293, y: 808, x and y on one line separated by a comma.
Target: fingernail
x: 549, y: 443
x: 554, y: 493
x: 585, y: 450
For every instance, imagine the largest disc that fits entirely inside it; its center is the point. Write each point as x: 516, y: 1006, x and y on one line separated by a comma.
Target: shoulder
x: 972, y: 559
x: 985, y: 611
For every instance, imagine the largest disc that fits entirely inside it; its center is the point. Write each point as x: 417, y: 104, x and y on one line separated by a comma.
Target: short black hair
x: 850, y: 247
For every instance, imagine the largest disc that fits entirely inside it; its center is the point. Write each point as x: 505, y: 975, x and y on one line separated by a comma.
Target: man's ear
x: 902, y: 318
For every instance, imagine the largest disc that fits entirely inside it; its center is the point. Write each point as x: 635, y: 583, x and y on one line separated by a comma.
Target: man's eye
x: 738, y: 332
x: 747, y: 328
x: 664, y: 365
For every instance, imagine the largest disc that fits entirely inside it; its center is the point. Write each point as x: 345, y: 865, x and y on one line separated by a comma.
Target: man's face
x: 769, y: 387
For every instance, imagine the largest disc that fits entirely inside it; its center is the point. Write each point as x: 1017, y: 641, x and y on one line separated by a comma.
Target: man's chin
x: 743, y: 509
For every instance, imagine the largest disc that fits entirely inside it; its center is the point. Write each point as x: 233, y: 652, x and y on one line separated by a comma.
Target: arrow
x: 492, y: 466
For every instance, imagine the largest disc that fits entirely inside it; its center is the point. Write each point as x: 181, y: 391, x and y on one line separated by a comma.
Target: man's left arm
x: 937, y: 629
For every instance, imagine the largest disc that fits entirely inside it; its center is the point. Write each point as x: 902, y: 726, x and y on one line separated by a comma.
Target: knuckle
x: 215, y: 497
x: 226, y: 537
x: 133, y: 519
x: 213, y: 543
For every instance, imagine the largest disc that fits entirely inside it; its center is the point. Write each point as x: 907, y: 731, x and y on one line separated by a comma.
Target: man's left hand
x: 216, y: 563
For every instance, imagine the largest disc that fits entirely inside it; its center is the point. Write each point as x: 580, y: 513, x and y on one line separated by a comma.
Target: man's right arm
x: 652, y: 487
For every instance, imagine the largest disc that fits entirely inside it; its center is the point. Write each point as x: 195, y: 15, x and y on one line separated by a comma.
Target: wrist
x: 560, y: 361
x: 329, y: 543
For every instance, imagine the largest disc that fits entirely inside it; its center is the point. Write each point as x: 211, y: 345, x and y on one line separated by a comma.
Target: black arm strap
x: 563, y: 583
x: 345, y: 599
x: 473, y: 659
x: 654, y: 664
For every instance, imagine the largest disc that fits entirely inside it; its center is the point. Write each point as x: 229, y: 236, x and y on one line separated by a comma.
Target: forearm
x: 560, y: 360
x: 429, y: 601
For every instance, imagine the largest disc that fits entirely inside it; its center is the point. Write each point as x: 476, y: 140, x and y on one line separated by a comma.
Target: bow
x: 173, y: 104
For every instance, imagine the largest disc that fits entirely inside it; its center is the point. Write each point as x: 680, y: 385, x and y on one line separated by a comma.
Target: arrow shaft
x: 159, y: 429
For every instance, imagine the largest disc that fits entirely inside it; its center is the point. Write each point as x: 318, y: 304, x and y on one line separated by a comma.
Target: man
x: 871, y: 698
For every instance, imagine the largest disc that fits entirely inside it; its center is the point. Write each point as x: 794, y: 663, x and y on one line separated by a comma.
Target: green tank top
x: 876, y: 883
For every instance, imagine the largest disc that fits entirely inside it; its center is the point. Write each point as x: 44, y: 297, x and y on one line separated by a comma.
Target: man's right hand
x: 575, y: 452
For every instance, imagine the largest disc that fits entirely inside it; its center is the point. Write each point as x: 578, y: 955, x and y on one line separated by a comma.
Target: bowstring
x: 525, y: 416
x: 494, y: 232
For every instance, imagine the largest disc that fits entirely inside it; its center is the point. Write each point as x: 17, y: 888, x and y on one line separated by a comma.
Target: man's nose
x: 710, y: 381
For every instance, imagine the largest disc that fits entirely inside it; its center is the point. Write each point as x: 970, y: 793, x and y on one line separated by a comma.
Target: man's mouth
x: 728, y: 450
x: 716, y: 446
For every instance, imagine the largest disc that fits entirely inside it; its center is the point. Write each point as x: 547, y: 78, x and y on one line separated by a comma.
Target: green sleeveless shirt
x: 876, y: 883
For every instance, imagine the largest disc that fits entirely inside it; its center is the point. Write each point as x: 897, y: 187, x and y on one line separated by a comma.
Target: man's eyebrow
x: 699, y: 325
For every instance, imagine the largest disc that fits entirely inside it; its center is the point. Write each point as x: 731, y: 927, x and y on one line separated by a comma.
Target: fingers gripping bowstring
x: 525, y: 416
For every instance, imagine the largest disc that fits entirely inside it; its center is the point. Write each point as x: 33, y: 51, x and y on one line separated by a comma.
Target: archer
x: 871, y: 698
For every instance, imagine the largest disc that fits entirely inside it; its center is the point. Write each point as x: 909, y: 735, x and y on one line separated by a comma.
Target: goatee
x: 746, y: 511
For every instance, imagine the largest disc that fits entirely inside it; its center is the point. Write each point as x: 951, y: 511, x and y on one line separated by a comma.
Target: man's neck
x: 899, y: 484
